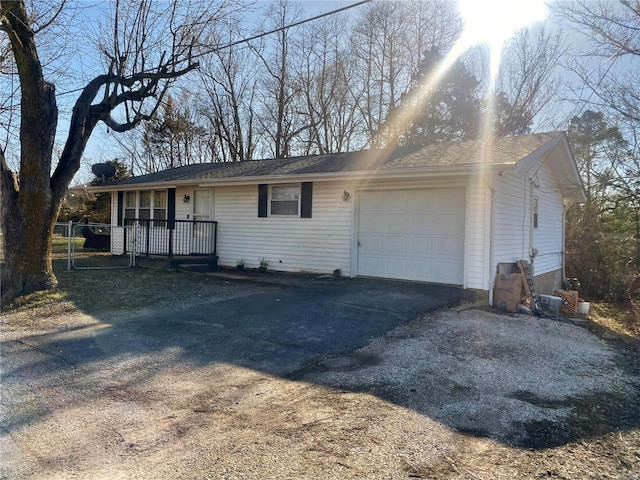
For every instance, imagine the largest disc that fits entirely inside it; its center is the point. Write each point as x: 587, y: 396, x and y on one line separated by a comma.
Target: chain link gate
x: 95, y: 246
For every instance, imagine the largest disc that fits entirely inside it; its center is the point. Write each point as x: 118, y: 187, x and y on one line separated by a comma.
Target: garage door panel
x: 443, y: 223
x: 397, y: 246
x: 422, y: 198
x: 422, y: 246
x: 420, y: 224
x: 370, y: 265
x: 421, y: 270
x: 449, y: 199
x: 449, y: 247
x: 396, y: 267
x: 395, y: 223
x: 372, y: 201
x: 371, y: 222
x: 395, y: 200
x: 448, y: 272
x: 374, y: 244
x: 415, y: 234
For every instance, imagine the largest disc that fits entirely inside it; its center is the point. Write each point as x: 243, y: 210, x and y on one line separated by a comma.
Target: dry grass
x: 621, y: 320
x: 95, y: 291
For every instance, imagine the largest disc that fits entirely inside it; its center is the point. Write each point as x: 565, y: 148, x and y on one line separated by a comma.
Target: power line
x: 264, y: 34
x: 286, y: 27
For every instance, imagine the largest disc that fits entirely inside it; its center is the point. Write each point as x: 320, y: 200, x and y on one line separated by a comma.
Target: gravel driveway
x: 178, y: 394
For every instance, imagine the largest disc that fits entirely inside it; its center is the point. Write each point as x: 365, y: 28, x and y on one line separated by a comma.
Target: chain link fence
x: 88, y: 246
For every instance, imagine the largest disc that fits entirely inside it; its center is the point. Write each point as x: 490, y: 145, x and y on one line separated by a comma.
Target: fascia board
x: 526, y: 163
x: 408, y: 173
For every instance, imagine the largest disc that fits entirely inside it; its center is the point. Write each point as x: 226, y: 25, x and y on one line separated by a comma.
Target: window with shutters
x: 284, y: 200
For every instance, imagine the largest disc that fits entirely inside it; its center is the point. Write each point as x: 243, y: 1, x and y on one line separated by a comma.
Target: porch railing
x: 172, y: 237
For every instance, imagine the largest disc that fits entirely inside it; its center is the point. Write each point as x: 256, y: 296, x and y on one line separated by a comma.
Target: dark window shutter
x: 120, y: 207
x: 171, y: 208
x: 306, y: 199
x: 263, y: 194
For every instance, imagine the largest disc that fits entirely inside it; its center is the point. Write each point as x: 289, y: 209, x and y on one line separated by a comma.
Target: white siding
x: 478, y: 230
x: 547, y: 238
x: 117, y: 233
x: 318, y: 244
x: 511, y: 217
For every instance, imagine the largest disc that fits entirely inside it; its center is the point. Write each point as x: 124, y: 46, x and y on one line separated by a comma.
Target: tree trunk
x: 29, y: 207
x: 27, y: 227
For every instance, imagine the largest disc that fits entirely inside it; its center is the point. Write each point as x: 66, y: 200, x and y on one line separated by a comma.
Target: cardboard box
x: 507, y: 291
x: 569, y: 300
x: 527, y: 301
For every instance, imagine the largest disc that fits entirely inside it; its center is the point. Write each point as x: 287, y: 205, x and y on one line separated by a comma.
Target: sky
x: 102, y: 146
x: 84, y: 63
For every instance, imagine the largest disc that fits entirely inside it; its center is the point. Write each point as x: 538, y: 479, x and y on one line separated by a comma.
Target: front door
x: 202, y: 214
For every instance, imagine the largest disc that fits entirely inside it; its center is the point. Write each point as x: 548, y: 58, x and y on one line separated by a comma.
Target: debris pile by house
x: 515, y: 291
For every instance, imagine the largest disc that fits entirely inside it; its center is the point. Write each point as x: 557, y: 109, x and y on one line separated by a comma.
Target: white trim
x: 411, y: 173
x: 490, y: 241
x: 354, y: 233
x: 287, y: 185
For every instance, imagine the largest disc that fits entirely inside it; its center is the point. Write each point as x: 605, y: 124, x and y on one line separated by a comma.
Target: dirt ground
x: 459, y: 394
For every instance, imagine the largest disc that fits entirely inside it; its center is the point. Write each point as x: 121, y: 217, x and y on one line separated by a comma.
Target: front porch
x: 180, y: 241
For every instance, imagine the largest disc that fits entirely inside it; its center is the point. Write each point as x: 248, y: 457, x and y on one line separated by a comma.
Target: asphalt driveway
x: 274, y: 332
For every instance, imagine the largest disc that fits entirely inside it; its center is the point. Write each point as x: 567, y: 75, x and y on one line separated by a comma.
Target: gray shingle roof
x: 507, y: 150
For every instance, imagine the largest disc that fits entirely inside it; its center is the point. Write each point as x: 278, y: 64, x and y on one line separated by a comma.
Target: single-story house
x: 445, y: 213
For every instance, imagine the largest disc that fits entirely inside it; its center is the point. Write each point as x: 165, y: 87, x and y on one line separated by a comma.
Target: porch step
x: 199, y: 263
x: 194, y: 267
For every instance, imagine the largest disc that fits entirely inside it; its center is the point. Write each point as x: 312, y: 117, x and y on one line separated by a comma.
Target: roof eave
x: 399, y: 173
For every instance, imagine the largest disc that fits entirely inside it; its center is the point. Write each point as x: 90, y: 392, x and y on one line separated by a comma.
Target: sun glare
x: 489, y: 22
x: 493, y: 22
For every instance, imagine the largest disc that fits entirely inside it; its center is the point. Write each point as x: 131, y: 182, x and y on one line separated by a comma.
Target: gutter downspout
x: 492, y: 265
x: 563, y: 253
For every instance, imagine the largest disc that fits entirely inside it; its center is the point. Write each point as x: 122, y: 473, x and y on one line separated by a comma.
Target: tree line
x: 343, y: 83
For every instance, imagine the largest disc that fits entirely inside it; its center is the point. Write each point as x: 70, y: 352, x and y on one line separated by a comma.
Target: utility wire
x: 286, y: 27
x: 264, y: 34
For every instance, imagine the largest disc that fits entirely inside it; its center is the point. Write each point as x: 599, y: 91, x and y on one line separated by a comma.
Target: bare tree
x: 388, y: 51
x: 323, y: 72
x: 434, y: 24
x: 607, y: 81
x: 281, y: 118
x: 149, y: 46
x: 611, y: 28
x: 528, y: 79
x: 376, y: 47
x: 227, y: 107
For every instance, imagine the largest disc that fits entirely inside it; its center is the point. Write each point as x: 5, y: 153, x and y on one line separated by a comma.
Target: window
x: 279, y: 200
x: 284, y: 200
x: 146, y: 205
x: 144, y: 209
x: 159, y: 207
x: 129, y: 205
x: 535, y: 212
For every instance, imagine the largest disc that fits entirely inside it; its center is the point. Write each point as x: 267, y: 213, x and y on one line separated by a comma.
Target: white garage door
x: 412, y: 234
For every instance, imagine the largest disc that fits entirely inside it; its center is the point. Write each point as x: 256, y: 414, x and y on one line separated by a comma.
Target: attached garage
x: 413, y: 234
